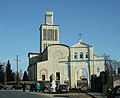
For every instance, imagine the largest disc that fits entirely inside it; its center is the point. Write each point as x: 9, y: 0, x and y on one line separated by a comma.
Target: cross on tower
x: 80, y: 35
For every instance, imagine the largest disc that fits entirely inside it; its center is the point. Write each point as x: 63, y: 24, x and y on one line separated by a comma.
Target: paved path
x: 20, y: 94
x: 97, y: 95
x: 27, y: 94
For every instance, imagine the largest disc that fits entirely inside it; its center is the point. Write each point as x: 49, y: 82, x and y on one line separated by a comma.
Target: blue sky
x: 98, y: 20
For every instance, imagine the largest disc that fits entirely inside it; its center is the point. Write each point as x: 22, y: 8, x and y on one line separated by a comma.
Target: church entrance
x: 81, y: 78
x: 57, y: 75
x: 43, y: 74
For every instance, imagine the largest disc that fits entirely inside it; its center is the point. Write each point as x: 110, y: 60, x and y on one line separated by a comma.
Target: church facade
x: 65, y: 62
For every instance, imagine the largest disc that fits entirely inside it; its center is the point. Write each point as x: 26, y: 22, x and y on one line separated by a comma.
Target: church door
x: 43, y: 77
x: 57, y: 75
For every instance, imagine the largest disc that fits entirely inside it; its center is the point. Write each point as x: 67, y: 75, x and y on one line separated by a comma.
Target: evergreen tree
x: 93, y: 82
x: 1, y: 67
x: 104, y: 77
x: 8, y: 71
x: 25, y: 76
x: 1, y: 72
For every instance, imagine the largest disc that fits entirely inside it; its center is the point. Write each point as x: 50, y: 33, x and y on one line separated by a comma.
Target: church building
x: 67, y: 63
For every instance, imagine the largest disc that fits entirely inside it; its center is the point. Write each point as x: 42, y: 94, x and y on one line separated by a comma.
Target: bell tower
x: 49, y: 18
x: 49, y: 33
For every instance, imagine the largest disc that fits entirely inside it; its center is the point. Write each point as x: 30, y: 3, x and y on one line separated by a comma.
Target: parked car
x: 62, y: 88
x: 39, y: 86
x: 114, y: 93
x: 17, y: 87
x: 1, y: 87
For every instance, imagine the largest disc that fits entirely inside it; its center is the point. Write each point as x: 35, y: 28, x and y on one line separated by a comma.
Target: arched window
x: 87, y: 55
x: 75, y: 55
x: 81, y: 55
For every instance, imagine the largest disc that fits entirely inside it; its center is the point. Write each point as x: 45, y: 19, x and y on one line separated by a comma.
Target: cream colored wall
x: 49, y: 42
x: 78, y: 50
x: 80, y: 73
x: 64, y: 73
x: 94, y: 62
x: 97, y: 64
x: 57, y: 56
x: 58, y: 62
x: 79, y: 47
x: 91, y: 50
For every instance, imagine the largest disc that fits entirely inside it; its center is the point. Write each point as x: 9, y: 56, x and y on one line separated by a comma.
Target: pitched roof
x: 81, y: 44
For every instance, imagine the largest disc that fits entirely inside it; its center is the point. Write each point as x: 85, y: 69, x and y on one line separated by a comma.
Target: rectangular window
x: 56, y: 35
x: 44, y: 34
x: 52, y: 35
x: 49, y: 19
x: 97, y: 69
x: 57, y: 75
x: 48, y: 34
x: 87, y: 54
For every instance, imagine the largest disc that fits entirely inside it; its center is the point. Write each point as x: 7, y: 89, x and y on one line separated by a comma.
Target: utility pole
x: 17, y: 60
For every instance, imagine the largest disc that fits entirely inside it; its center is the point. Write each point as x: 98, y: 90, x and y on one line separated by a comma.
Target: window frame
x: 81, y: 56
x: 75, y: 55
